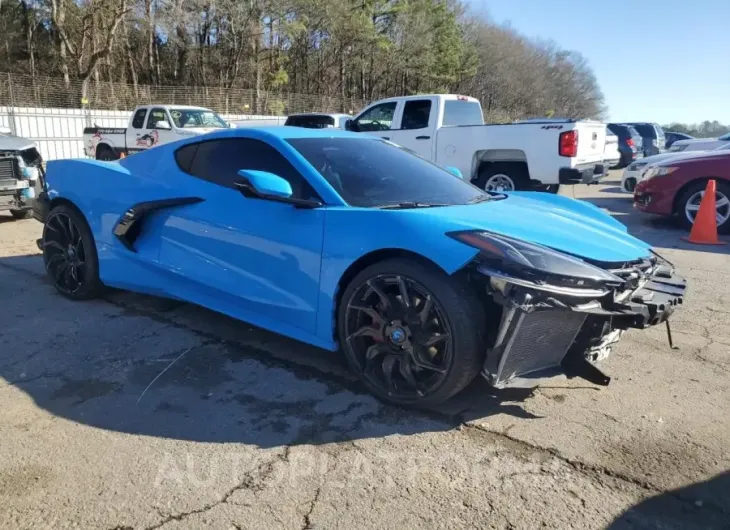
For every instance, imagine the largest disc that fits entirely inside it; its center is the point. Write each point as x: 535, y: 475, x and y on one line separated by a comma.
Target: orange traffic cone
x: 704, y: 229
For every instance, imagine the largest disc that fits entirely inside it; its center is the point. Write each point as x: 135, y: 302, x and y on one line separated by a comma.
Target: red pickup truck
x: 676, y: 187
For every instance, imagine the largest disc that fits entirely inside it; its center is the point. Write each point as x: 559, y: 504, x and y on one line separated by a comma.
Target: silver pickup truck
x: 21, y: 171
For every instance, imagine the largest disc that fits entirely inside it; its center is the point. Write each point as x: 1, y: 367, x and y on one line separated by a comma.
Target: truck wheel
x: 21, y: 214
x: 503, y: 176
x: 104, y: 152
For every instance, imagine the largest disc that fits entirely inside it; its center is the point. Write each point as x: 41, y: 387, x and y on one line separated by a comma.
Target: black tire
x: 515, y: 171
x: 722, y: 189
x: 21, y: 214
x: 104, y: 152
x: 630, y: 185
x: 66, y: 227
x: 452, y: 303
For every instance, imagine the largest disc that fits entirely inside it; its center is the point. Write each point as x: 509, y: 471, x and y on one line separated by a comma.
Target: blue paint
x: 277, y: 266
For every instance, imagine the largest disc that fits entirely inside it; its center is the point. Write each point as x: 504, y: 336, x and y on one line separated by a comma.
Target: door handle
x: 423, y: 137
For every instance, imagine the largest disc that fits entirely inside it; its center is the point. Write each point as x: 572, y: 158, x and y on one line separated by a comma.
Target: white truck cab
x: 449, y: 130
x: 150, y: 125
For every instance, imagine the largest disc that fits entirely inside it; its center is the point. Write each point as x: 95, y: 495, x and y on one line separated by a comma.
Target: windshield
x: 195, y: 118
x: 374, y: 173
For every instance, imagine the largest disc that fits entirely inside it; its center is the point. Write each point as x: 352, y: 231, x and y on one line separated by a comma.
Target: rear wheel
x: 104, y: 152
x: 503, y: 176
x: 410, y: 332
x: 630, y: 185
x: 69, y: 254
x: 689, y: 204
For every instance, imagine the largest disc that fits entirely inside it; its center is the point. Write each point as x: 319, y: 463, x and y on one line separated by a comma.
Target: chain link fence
x: 17, y: 90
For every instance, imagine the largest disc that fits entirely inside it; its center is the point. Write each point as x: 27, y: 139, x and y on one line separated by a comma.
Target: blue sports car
x: 351, y: 243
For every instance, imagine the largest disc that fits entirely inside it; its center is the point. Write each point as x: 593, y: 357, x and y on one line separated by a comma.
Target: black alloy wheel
x: 399, y: 337
x: 69, y: 254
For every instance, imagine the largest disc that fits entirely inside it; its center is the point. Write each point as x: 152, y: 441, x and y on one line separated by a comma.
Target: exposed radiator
x: 531, y: 343
x: 8, y: 168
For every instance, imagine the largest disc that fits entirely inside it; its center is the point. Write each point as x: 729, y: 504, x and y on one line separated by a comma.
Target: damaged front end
x: 561, y: 314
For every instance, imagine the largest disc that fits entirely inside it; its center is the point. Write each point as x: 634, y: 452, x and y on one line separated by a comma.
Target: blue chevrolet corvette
x: 353, y: 244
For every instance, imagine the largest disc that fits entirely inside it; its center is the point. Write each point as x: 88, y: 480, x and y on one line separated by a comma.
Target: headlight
x: 536, y: 263
x: 677, y: 148
x: 659, y: 171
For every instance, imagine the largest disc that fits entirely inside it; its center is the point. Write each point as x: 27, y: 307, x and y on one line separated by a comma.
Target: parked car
x: 317, y: 120
x: 676, y: 187
x: 700, y: 144
x: 611, y: 153
x: 630, y: 143
x: 672, y: 137
x: 325, y: 236
x: 653, y: 137
x: 21, y: 169
x: 634, y: 172
x: 150, y: 125
x: 450, y: 131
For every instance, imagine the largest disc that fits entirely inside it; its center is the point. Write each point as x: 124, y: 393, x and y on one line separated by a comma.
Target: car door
x: 376, y: 120
x: 138, y: 125
x: 416, y: 123
x: 246, y: 256
x: 154, y: 132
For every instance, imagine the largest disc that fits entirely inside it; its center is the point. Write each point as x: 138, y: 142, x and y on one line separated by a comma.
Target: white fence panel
x: 59, y: 132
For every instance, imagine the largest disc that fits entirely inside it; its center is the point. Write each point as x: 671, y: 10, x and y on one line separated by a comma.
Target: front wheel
x: 689, y: 204
x: 410, y: 332
x: 69, y: 254
x: 629, y: 185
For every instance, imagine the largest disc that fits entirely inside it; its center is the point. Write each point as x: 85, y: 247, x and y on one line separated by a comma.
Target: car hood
x: 14, y: 143
x: 199, y: 130
x: 694, y: 141
x: 564, y: 224
x: 656, y: 159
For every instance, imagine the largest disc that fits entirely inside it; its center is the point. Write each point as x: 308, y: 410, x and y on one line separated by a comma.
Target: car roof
x: 332, y: 114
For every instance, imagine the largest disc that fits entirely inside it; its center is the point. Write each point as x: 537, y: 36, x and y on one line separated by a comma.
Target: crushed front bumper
x: 544, y: 333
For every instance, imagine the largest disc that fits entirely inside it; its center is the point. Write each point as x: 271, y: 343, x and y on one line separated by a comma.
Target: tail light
x: 630, y: 142
x: 568, y: 144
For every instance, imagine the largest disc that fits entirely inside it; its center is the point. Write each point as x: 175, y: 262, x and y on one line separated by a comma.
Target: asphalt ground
x: 134, y: 412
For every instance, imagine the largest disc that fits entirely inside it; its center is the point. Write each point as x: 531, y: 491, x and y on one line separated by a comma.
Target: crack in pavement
x: 308, y: 525
x: 253, y: 480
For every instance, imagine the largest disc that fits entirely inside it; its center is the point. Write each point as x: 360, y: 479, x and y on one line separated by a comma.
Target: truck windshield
x: 192, y: 118
x: 458, y: 112
x: 372, y: 173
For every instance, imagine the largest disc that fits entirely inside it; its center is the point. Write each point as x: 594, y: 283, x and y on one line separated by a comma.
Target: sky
x: 661, y: 61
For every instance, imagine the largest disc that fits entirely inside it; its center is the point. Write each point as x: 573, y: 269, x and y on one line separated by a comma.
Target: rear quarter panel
x: 103, y: 191
x: 465, y: 147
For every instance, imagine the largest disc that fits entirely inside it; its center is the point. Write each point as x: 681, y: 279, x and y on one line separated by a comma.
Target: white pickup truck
x: 148, y: 126
x: 450, y: 131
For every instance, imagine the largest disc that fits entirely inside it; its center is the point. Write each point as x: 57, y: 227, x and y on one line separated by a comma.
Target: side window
x: 379, y: 118
x: 138, y: 120
x: 416, y: 113
x: 184, y: 156
x: 156, y: 115
x: 218, y: 161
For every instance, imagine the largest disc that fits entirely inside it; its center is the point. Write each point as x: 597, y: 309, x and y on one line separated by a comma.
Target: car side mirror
x: 264, y: 185
x: 454, y: 171
x: 351, y: 125
x: 164, y: 125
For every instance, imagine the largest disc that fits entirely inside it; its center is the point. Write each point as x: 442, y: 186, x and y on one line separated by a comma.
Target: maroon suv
x: 677, y: 186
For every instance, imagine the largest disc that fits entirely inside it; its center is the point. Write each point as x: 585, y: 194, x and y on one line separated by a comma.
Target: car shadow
x: 705, y: 505
x: 658, y: 231
x: 154, y: 367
